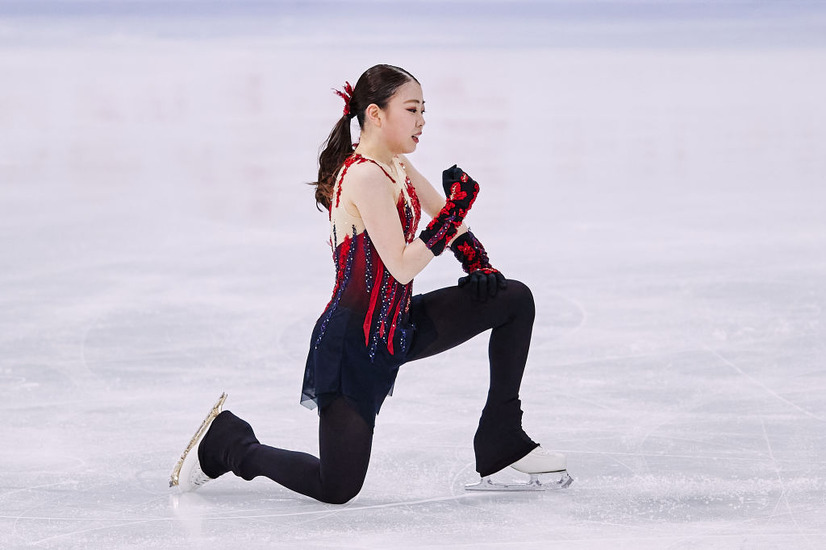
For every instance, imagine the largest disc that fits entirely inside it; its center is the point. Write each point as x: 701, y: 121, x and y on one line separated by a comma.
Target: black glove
x: 484, y: 283
x: 461, y: 193
x: 459, y: 188
x: 484, y: 279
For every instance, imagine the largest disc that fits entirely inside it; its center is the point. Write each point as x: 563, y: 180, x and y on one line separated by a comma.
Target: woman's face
x: 403, y: 118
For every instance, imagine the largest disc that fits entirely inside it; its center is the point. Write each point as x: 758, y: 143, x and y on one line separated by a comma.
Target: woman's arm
x: 431, y: 200
x: 484, y: 279
x: 371, y: 194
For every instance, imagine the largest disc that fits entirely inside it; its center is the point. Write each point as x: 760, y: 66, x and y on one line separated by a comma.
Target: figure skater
x: 373, y: 324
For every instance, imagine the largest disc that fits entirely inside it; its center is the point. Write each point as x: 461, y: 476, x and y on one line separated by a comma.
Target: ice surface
x: 664, y: 198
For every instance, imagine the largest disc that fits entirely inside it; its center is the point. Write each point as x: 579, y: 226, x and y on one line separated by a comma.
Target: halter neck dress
x: 364, y: 333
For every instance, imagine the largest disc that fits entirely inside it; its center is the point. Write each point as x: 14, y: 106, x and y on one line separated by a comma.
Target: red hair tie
x: 346, y: 95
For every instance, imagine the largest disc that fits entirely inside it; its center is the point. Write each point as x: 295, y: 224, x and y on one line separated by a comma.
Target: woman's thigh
x: 449, y: 316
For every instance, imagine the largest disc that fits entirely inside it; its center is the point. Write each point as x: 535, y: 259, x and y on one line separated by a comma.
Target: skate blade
x: 534, y: 484
x: 213, y: 412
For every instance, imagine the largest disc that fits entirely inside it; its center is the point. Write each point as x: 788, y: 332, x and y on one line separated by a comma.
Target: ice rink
x: 657, y: 176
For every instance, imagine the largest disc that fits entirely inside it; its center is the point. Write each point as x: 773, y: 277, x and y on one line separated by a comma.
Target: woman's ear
x: 374, y: 114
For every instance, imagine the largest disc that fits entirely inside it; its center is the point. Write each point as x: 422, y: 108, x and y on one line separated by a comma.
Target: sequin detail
x: 343, y: 257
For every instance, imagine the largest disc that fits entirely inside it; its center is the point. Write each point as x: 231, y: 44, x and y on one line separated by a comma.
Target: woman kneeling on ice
x: 373, y: 324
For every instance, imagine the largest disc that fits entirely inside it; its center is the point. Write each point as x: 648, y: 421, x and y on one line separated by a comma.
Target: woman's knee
x: 521, y: 298
x: 340, y: 494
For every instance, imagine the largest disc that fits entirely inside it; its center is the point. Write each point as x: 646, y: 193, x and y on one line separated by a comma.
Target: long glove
x: 461, y: 191
x: 484, y: 280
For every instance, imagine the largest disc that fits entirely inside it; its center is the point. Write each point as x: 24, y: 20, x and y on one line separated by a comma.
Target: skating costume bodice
x: 364, y: 332
x: 363, y: 284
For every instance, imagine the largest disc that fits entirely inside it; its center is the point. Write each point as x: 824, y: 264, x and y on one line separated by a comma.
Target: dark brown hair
x: 377, y: 85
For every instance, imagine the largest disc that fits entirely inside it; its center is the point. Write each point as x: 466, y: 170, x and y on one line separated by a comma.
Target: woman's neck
x: 375, y: 151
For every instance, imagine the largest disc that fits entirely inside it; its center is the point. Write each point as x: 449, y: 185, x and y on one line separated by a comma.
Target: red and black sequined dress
x: 364, y: 334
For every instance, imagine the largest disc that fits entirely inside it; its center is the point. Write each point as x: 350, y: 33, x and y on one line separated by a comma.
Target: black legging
x: 444, y: 319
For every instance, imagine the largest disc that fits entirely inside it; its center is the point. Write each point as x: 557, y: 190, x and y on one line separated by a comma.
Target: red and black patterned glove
x: 459, y: 188
x: 461, y: 192
x: 484, y: 279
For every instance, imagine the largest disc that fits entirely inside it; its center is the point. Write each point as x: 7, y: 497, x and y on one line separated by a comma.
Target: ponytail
x: 337, y: 148
x: 376, y: 85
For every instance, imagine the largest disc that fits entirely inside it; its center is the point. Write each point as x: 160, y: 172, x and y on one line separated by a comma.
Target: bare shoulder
x: 366, y: 180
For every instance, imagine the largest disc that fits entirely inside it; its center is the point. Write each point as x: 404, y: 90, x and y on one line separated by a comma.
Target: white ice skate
x: 187, y: 474
x: 537, y: 462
